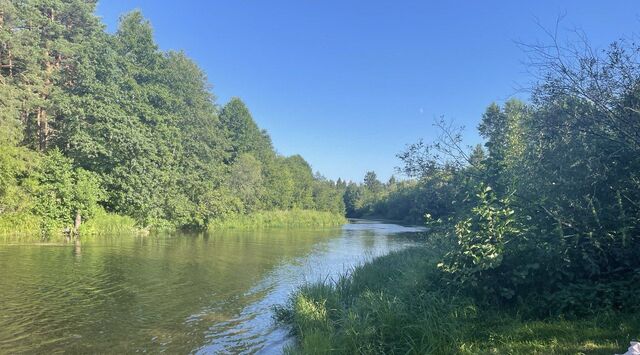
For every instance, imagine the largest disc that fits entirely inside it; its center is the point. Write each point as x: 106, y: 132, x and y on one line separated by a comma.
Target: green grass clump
x: 26, y: 227
x: 104, y: 223
x: 394, y: 305
x: 280, y: 219
x: 381, y: 307
x: 20, y: 227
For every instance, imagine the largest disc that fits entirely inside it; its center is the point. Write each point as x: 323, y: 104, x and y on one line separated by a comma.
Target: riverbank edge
x: 26, y: 227
x: 390, y: 305
x: 295, y: 218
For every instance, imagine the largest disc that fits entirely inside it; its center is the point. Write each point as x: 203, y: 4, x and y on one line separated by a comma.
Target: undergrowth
x: 397, y: 304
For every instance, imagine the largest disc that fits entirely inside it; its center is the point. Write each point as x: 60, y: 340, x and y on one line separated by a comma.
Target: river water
x: 207, y: 293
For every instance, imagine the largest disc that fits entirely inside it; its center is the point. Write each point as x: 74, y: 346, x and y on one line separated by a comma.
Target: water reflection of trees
x: 129, y: 294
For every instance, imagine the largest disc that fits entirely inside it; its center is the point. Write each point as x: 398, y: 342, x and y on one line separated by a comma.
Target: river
x: 191, y: 293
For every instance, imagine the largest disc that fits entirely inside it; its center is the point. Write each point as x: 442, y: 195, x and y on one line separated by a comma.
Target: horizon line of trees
x: 91, y: 120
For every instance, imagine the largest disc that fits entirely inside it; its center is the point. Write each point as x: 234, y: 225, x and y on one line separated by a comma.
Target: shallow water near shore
x: 191, y: 293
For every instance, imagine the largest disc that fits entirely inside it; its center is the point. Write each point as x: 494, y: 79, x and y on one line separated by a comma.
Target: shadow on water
x: 204, y: 293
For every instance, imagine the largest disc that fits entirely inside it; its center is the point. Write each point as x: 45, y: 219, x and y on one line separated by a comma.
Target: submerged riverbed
x: 208, y: 293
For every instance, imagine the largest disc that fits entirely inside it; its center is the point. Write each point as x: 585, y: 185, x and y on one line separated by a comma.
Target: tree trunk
x: 45, y: 129
x: 43, y: 121
x: 10, y: 64
x: 39, y: 135
x: 78, y: 222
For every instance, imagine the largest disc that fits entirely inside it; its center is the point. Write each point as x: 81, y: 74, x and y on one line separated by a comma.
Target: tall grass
x: 396, y: 305
x: 381, y: 307
x: 104, y: 223
x: 25, y: 227
x: 280, y: 219
x: 20, y: 227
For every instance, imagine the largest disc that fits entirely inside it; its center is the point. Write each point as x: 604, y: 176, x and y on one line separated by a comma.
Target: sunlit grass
x: 20, y: 227
x: 104, y: 223
x: 607, y: 333
x: 280, y: 219
x: 27, y: 228
x: 391, y: 305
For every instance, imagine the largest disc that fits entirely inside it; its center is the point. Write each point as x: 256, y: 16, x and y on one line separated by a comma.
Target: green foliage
x: 16, y: 163
x: 327, y: 196
x: 372, y: 183
x: 243, y: 133
x: 606, y: 333
x: 409, y: 200
x: 92, y: 120
x: 42, y: 194
x: 63, y: 193
x: 481, y: 239
x: 220, y: 204
x: 353, y: 199
x: 303, y: 182
x: 245, y: 181
x: 87, y: 193
x: 279, y: 184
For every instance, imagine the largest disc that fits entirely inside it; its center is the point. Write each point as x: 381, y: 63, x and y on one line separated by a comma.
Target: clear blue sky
x: 347, y: 84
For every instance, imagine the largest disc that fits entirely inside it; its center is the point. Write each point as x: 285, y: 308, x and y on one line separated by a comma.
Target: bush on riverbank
x: 280, y: 219
x: 400, y: 304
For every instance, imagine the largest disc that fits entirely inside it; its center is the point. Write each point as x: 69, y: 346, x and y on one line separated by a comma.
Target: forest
x: 109, y: 129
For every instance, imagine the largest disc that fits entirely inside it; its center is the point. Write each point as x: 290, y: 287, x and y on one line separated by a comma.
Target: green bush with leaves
x: 481, y: 240
x: 64, y: 194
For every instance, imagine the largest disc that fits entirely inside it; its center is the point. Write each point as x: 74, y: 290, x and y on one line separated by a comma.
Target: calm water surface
x: 209, y: 293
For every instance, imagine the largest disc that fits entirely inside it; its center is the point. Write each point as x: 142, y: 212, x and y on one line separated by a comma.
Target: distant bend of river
x: 207, y: 293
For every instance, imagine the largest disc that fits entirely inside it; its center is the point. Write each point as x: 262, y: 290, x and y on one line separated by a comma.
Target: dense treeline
x: 396, y: 200
x: 92, y: 121
x: 547, y: 213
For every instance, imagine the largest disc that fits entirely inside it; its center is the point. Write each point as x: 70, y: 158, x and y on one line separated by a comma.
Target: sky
x: 348, y: 84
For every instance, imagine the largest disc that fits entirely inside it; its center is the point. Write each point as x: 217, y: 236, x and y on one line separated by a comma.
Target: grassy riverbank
x: 29, y: 228
x: 280, y: 219
x: 19, y: 227
x: 108, y: 223
x: 395, y: 305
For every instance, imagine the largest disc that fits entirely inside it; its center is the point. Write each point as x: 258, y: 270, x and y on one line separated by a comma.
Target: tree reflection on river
x: 203, y: 293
